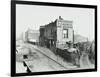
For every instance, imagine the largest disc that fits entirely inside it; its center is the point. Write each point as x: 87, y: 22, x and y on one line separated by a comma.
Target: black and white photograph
x: 54, y: 38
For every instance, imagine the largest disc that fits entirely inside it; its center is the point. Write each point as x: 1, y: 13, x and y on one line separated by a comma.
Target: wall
x: 61, y: 25
x: 50, y: 29
x: 41, y: 37
x: 32, y: 35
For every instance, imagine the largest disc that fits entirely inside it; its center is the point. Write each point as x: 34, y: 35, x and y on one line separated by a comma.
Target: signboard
x: 65, y: 24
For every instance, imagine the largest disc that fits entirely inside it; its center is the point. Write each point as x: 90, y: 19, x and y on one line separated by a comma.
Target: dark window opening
x: 65, y: 33
x: 25, y: 56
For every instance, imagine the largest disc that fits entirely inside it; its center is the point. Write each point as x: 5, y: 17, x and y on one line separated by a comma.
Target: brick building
x: 56, y: 34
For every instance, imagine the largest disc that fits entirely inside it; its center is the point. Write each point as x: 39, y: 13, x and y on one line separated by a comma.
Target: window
x: 65, y: 33
x: 25, y: 56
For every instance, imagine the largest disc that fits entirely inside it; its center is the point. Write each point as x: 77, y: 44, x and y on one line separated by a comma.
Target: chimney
x: 60, y: 18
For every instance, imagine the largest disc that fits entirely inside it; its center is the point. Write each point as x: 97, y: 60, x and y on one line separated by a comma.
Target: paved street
x: 38, y: 62
x: 42, y: 59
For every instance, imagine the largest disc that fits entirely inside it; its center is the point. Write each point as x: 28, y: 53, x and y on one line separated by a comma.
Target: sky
x: 34, y: 16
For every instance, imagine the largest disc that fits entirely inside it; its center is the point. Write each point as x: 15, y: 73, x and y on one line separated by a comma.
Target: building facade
x: 57, y: 33
x: 32, y: 36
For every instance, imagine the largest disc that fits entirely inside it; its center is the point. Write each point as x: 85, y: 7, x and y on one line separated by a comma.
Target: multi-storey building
x: 32, y: 36
x: 56, y: 34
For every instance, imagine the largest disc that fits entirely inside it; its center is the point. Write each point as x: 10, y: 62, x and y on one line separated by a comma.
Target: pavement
x: 58, y: 59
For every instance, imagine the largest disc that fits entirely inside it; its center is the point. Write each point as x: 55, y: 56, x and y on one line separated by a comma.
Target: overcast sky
x: 33, y: 16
